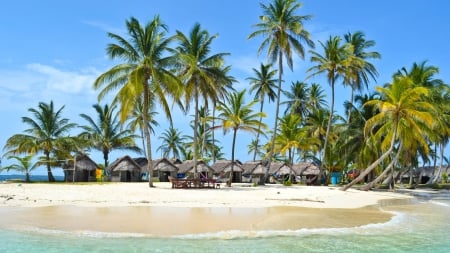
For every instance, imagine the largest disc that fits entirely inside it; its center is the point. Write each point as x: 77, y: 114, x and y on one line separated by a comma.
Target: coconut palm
x: 144, y: 72
x: 317, y: 98
x: 135, y: 120
x: 24, y: 165
x: 291, y: 137
x: 361, y: 74
x: 335, y: 63
x: 263, y: 84
x: 172, y: 142
x: 105, y: 134
x: 47, y: 134
x: 235, y: 115
x: 404, y: 117
x: 201, y: 72
x: 297, y: 99
x: 283, y: 33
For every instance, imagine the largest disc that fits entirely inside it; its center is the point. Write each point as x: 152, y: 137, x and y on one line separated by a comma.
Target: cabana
x: 307, y: 171
x: 124, y: 169
x: 186, y: 169
x: 280, y: 171
x: 85, y: 170
x: 222, y: 168
x: 254, y: 171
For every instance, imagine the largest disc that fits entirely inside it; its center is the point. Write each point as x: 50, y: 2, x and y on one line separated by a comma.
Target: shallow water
x: 420, y: 227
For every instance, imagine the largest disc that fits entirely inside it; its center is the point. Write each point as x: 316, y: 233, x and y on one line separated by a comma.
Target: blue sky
x: 53, y: 50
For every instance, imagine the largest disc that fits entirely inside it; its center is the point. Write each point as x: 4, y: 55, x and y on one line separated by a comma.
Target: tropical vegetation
x: 178, y: 83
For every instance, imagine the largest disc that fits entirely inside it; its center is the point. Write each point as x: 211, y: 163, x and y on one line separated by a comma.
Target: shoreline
x: 132, y: 208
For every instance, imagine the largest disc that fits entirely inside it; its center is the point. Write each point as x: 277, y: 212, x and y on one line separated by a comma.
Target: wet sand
x: 163, y: 211
x: 172, y: 221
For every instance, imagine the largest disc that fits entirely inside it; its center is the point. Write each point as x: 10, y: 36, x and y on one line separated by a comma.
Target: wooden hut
x: 85, y: 170
x: 307, y: 171
x: 254, y: 171
x: 222, y: 168
x: 163, y: 168
x: 279, y: 171
x: 186, y: 169
x: 124, y: 169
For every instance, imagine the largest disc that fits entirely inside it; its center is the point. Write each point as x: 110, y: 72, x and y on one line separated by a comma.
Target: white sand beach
x: 139, y: 194
x: 163, y: 211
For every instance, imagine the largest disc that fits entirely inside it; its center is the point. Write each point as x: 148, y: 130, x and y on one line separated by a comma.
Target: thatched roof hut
x: 280, y: 168
x: 85, y: 170
x: 124, y: 169
x: 187, y: 168
x: 223, y: 168
x: 306, y: 169
x: 254, y: 168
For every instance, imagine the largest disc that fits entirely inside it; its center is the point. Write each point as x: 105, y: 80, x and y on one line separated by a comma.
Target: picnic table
x: 193, y: 183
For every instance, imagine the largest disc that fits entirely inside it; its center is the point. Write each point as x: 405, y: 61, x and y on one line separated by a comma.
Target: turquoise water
x: 421, y: 227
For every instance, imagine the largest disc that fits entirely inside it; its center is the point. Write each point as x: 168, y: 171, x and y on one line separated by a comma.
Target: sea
x: 421, y: 226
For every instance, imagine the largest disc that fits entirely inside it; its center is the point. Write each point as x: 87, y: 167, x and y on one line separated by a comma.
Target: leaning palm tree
x: 235, y: 115
x: 144, y: 72
x: 334, y: 63
x: 105, y: 134
x: 284, y: 33
x: 47, y: 134
x: 404, y: 114
x: 201, y: 72
x: 24, y: 165
x: 263, y: 84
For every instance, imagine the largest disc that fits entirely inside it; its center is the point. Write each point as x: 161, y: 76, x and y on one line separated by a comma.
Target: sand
x: 163, y: 211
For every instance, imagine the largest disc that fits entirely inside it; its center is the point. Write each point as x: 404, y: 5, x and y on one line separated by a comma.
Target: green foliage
x: 287, y: 183
x: 444, y: 177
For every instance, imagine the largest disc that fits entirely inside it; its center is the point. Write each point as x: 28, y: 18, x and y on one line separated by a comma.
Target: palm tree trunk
x: 382, y: 175
x: 147, y: 133
x: 259, y: 129
x: 374, y: 164
x: 351, y: 105
x: 51, y: 178
x: 274, y: 135
x: 213, y: 136
x: 232, y: 157
x: 195, y: 130
x: 437, y: 176
x: 327, y: 134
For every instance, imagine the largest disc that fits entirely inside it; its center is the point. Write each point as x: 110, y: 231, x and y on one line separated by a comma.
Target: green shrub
x: 444, y: 177
x: 287, y: 183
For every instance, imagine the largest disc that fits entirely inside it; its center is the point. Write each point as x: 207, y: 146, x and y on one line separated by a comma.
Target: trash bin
x: 335, y: 178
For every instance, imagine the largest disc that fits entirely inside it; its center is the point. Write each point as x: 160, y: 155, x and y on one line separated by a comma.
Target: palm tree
x: 201, y: 72
x: 423, y: 74
x: 263, y: 84
x: 135, y: 120
x: 235, y: 115
x: 361, y: 75
x: 144, y: 72
x: 335, y: 64
x: 105, y: 134
x: 297, y: 99
x: 47, y: 134
x: 403, y: 115
x: 292, y: 137
x: 317, y: 98
x: 172, y: 141
x: 284, y: 33
x: 25, y: 165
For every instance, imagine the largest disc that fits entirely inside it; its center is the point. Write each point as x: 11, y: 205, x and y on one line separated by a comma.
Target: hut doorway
x: 125, y: 176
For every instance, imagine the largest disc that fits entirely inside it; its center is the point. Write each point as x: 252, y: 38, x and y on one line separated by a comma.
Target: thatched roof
x: 188, y: 167
x: 254, y: 167
x: 124, y: 163
x: 164, y: 164
x: 280, y: 168
x: 82, y: 162
x: 225, y: 166
x: 306, y: 169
